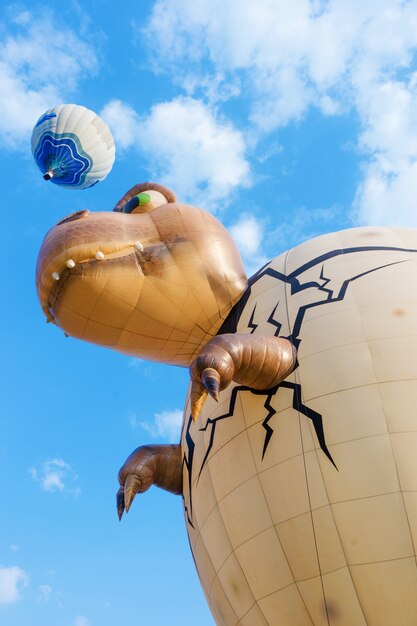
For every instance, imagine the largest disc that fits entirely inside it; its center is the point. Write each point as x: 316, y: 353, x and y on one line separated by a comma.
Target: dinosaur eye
x: 141, y: 200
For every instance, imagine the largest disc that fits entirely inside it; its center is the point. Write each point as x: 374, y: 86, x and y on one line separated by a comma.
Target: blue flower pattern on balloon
x: 63, y: 154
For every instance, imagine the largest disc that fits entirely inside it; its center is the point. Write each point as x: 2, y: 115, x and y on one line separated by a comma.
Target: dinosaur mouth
x: 80, y: 262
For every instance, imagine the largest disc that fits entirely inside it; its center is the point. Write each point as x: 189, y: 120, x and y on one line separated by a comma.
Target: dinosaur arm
x: 158, y: 465
x: 257, y: 361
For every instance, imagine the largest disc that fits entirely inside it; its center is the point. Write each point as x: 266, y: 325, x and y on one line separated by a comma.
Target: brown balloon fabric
x: 155, y: 284
x: 159, y: 465
x: 259, y: 362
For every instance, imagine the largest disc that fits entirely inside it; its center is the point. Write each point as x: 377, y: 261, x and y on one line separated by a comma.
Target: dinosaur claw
x: 198, y: 397
x: 131, y: 488
x: 129, y: 499
x: 120, y: 499
x: 210, y: 384
x: 211, y: 381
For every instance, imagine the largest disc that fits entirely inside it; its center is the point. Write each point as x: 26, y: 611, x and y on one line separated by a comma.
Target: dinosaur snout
x: 74, y: 216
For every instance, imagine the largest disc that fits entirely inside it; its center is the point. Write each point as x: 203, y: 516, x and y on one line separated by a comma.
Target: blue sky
x: 287, y: 120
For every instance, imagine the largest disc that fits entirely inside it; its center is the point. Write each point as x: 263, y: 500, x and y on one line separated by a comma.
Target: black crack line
x: 323, y: 278
x: 315, y: 417
x: 274, y: 322
x: 330, y: 299
x: 265, y: 423
x: 230, y: 326
x: 232, y: 320
x: 270, y: 320
x: 340, y: 251
x: 188, y: 462
x: 299, y: 406
x: 212, y: 422
x: 251, y: 323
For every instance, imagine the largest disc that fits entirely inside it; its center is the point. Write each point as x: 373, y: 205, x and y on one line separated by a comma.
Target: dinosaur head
x: 156, y: 282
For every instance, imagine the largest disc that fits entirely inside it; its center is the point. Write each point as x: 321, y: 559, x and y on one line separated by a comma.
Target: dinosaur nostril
x: 73, y: 216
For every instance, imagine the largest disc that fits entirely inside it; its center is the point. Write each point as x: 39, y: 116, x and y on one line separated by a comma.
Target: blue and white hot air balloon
x: 72, y: 146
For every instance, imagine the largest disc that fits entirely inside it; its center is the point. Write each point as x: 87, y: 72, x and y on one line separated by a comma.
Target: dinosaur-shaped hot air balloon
x: 298, y: 456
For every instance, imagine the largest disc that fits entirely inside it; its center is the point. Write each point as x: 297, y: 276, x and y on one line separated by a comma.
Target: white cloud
x: 55, y: 475
x: 293, y: 51
x: 165, y: 425
x: 188, y: 146
x: 388, y: 197
x: 248, y: 236
x: 12, y: 580
x: 124, y: 122
x: 258, y: 244
x: 267, y: 44
x: 334, y: 55
x: 81, y: 620
x: 194, y: 150
x: 388, y: 192
x: 41, y: 64
x: 247, y: 233
x: 44, y: 592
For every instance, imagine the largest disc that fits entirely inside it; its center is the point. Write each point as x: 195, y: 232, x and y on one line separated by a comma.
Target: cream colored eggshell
x: 280, y: 535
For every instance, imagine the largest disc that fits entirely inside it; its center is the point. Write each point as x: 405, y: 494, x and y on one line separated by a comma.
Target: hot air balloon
x: 298, y: 455
x: 72, y: 146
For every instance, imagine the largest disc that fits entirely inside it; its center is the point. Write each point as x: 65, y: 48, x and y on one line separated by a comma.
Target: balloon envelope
x: 72, y: 146
x: 301, y: 501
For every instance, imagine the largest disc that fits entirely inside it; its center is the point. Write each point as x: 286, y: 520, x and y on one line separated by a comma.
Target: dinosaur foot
x: 259, y: 362
x: 159, y: 465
